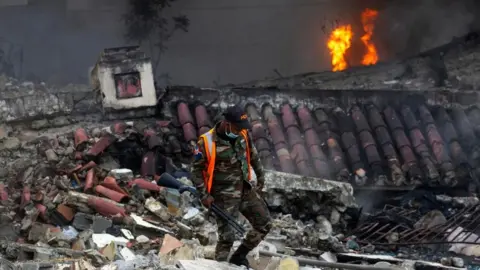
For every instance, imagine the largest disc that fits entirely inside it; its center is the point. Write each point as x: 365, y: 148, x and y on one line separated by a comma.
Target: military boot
x: 239, y: 257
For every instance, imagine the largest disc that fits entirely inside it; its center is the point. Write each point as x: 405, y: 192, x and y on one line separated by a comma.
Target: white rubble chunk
x: 128, y: 234
x: 204, y: 264
x: 157, y: 208
x: 103, y: 239
x: 127, y: 254
x: 142, y: 223
x: 121, y: 175
x: 342, y: 193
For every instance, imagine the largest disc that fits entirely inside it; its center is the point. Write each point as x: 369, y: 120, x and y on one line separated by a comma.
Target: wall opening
x: 128, y: 85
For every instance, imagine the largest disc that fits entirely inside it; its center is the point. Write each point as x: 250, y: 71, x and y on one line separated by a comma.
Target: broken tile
x: 169, y: 243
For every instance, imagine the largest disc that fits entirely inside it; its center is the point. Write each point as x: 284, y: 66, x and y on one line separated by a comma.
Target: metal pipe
x: 312, y: 262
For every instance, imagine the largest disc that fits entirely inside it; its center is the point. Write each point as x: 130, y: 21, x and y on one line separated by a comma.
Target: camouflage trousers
x: 254, y: 209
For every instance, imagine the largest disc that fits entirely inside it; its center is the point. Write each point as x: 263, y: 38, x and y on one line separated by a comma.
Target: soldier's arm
x: 256, y: 163
x: 198, y: 166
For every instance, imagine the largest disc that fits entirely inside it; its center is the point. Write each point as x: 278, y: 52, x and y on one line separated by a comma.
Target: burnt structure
x: 123, y: 79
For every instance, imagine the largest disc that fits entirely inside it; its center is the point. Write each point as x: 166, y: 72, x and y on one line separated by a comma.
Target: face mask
x: 230, y: 134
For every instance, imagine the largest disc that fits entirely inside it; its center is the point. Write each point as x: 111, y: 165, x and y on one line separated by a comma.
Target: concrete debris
x: 169, y: 243
x: 86, y: 193
x: 203, y: 264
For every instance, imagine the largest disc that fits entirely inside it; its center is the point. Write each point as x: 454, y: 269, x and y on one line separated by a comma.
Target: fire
x: 368, y: 19
x: 339, y: 43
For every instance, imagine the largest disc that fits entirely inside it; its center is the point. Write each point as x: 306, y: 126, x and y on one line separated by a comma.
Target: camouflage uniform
x: 232, y: 191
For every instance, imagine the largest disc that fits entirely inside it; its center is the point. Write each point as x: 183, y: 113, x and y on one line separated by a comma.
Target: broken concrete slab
x: 339, y: 192
x: 52, y: 265
x: 10, y: 143
x: 100, y: 224
x: 204, y: 264
x: 82, y: 221
x: 25, y: 252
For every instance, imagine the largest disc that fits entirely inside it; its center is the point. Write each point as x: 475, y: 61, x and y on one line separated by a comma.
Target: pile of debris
x: 92, y: 193
x: 89, y: 196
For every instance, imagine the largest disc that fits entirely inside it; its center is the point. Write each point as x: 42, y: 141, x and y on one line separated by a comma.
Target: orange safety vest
x: 211, y: 151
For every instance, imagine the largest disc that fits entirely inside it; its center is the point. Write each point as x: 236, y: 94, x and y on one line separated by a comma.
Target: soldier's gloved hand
x: 187, y: 188
x: 207, y: 200
x: 259, y: 187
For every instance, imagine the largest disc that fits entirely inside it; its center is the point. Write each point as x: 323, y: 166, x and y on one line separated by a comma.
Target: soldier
x: 224, y: 161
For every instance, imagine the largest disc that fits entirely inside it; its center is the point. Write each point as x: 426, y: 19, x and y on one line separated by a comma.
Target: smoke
x: 407, y: 27
x: 58, y: 40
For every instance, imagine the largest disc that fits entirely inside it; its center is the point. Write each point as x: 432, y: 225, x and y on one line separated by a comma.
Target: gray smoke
x: 228, y: 42
x: 406, y: 27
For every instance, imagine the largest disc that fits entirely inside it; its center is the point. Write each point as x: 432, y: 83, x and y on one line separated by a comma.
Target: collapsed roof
x: 383, y: 125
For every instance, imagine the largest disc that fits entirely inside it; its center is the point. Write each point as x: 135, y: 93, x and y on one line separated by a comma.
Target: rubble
x: 105, y: 215
x: 85, y: 191
x: 114, y: 215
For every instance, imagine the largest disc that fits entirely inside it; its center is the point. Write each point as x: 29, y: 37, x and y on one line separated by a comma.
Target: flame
x: 338, y: 44
x: 368, y: 19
